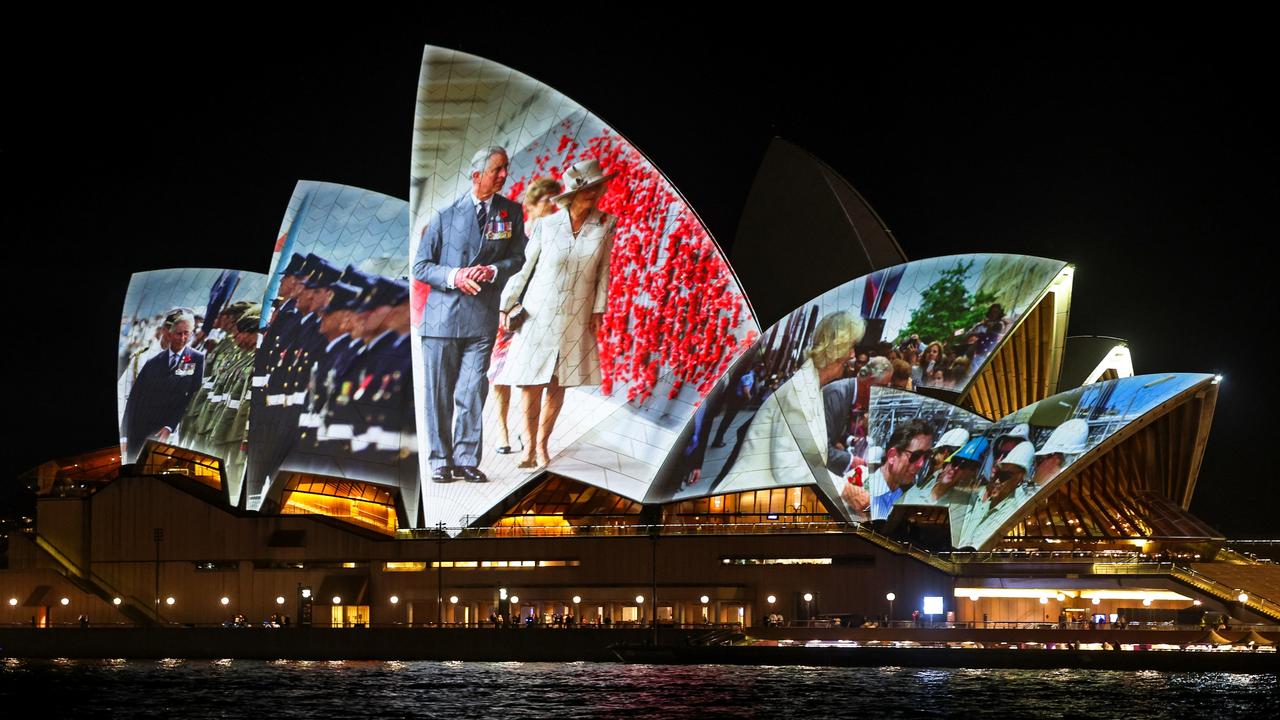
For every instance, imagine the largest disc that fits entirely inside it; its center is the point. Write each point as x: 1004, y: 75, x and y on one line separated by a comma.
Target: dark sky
x: 1145, y: 156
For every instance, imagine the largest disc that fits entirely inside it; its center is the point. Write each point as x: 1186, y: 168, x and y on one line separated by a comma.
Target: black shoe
x: 471, y: 474
x: 508, y: 450
x: 446, y: 474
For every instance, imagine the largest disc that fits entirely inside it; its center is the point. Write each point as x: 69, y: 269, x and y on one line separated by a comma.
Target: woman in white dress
x: 555, y: 305
x: 537, y: 205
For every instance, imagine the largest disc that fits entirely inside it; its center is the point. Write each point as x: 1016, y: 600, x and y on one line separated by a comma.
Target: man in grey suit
x: 466, y: 254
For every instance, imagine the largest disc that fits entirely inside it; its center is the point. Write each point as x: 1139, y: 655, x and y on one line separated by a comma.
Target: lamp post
x: 808, y: 609
x: 890, y: 597
x: 157, y: 535
x: 440, y: 574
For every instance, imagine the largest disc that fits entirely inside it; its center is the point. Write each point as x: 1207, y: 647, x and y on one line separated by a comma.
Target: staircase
x: 134, y: 609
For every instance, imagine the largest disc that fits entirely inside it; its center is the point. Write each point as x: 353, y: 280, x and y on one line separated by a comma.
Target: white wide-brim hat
x: 580, y: 176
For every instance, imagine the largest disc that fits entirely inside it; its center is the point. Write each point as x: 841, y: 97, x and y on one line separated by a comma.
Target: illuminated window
x: 404, y: 566
x: 777, y: 561
x: 502, y: 564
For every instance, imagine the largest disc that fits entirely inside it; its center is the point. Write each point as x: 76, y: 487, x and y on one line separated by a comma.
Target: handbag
x: 516, y: 316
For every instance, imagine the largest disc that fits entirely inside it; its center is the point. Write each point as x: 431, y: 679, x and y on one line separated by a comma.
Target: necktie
x: 482, y: 214
x: 173, y: 360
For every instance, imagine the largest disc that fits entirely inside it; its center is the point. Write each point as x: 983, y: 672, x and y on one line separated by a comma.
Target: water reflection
x: 300, y: 689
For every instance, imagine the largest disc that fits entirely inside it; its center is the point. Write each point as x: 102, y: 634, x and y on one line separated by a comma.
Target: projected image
x: 570, y: 309
x: 179, y: 339
x: 332, y: 391
x: 918, y: 451
x: 1030, y: 449
x: 929, y: 323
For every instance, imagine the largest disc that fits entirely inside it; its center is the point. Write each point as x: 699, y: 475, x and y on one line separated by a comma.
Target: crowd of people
x: 331, y: 377
x: 985, y: 478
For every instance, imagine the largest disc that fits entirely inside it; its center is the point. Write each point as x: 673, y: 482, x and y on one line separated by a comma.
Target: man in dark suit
x: 164, y: 386
x: 466, y: 254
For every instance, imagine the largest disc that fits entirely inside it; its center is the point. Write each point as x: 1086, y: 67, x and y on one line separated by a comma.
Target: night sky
x: 1146, y: 157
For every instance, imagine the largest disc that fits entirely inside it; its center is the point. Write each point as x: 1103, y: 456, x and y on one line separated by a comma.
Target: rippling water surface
x: 297, y: 689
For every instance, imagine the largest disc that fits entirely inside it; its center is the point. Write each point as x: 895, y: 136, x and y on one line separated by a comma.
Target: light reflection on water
x: 305, y: 689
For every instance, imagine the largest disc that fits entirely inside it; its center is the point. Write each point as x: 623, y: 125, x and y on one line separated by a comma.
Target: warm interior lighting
x: 808, y: 597
x: 404, y: 566
x: 890, y: 597
x: 1060, y: 597
x: 373, y: 515
x: 1044, y: 601
x: 639, y: 599
x: 772, y: 599
x: 515, y: 599
x: 705, y: 599
x: 167, y: 601
x: 394, y: 599
x: 1097, y: 601
x: 1196, y: 603
x: 67, y: 601
x: 453, y: 599
x: 1242, y: 597
x: 14, y: 601
x: 337, y: 600
x: 306, y: 592
x: 115, y: 601
x: 576, y: 599
x: 280, y: 599
x: 225, y: 600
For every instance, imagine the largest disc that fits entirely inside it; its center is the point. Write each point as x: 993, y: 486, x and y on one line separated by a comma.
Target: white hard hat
x: 1022, y: 431
x: 955, y: 437
x: 1021, y: 455
x: 1071, y: 438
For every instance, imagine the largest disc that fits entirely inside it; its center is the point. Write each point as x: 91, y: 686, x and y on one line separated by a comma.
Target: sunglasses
x: 919, y: 455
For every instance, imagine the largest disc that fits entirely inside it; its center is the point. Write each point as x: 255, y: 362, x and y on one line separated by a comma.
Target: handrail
x: 93, y: 581
x: 1258, y: 603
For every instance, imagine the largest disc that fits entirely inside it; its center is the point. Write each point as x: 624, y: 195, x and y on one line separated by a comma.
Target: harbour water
x: 310, y: 689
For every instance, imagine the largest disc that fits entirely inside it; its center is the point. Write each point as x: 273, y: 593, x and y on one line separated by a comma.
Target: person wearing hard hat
x: 951, y: 484
x: 946, y: 446
x: 1065, y: 443
x: 1005, y: 442
x: 1003, y: 498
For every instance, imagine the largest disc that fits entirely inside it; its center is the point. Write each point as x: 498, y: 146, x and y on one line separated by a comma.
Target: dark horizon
x: 1138, y: 156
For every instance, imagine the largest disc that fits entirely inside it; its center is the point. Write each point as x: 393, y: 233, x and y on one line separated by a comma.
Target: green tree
x: 946, y: 307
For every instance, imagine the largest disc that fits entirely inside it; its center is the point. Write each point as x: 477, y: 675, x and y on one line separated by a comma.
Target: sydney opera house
x: 539, y: 388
